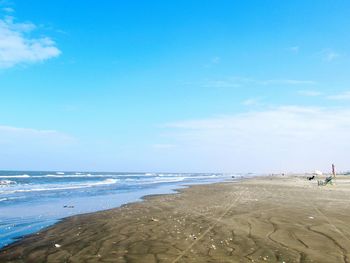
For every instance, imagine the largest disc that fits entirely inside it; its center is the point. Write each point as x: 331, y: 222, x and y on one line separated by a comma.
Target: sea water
x: 30, y: 201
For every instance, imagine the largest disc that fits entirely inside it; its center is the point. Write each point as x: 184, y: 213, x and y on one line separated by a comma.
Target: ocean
x: 31, y: 201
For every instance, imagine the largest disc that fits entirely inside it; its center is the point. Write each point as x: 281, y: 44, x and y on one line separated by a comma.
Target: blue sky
x: 174, y: 85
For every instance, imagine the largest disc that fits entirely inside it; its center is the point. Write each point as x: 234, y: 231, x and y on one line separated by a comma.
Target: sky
x: 175, y: 86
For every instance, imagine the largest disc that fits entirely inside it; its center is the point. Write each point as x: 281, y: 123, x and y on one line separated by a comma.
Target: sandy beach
x: 265, y: 219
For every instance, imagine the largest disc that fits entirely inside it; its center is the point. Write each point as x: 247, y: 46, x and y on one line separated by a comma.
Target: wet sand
x: 267, y: 219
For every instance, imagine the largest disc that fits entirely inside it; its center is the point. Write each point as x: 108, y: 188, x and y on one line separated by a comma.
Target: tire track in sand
x: 209, y: 229
x: 335, y: 242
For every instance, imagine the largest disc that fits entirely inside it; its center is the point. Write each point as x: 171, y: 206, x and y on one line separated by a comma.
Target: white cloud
x: 21, y: 137
x: 222, y: 84
x: 279, y: 139
x: 251, y: 101
x: 215, y: 60
x: 310, y: 93
x: 162, y: 146
x: 8, y: 9
x: 294, y: 49
x: 337, y: 96
x: 286, y: 82
x: 341, y: 96
x: 17, y: 46
x: 24, y: 148
x: 329, y: 55
x: 242, y: 81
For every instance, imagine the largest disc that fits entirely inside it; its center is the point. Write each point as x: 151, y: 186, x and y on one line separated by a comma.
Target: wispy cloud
x: 340, y: 96
x: 235, y: 82
x: 26, y: 148
x: 22, y: 137
x: 17, y: 46
x: 213, y: 61
x: 287, y: 82
x: 222, y: 84
x: 294, y: 49
x: 329, y: 55
x: 251, y: 102
x: 345, y: 95
x: 162, y: 146
x: 310, y: 93
x: 216, y: 60
x: 8, y: 9
x: 282, y: 138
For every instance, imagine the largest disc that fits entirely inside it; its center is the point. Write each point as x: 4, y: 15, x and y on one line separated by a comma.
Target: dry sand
x: 268, y: 219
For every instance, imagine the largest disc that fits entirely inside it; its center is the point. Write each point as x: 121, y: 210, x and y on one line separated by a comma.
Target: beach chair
x: 328, y: 180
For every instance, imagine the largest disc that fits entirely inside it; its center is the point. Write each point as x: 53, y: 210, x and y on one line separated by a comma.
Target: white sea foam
x: 67, y: 187
x: 11, y: 198
x: 155, y: 180
x: 15, y: 176
x: 69, y: 176
x: 169, y: 175
x: 107, y: 181
x: 6, y: 182
x: 63, y: 175
x: 168, y: 180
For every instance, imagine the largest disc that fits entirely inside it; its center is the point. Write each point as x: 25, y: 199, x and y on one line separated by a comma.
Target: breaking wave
x: 6, y: 182
x: 58, y: 188
x: 15, y: 176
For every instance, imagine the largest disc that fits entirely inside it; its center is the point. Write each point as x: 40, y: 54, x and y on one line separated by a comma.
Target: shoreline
x: 269, y: 218
x: 43, y: 212
x: 173, y: 191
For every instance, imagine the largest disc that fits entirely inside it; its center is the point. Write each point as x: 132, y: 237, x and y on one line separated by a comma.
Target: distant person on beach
x: 333, y: 170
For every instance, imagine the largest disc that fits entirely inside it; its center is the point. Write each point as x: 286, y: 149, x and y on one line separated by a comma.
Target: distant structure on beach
x: 317, y: 172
